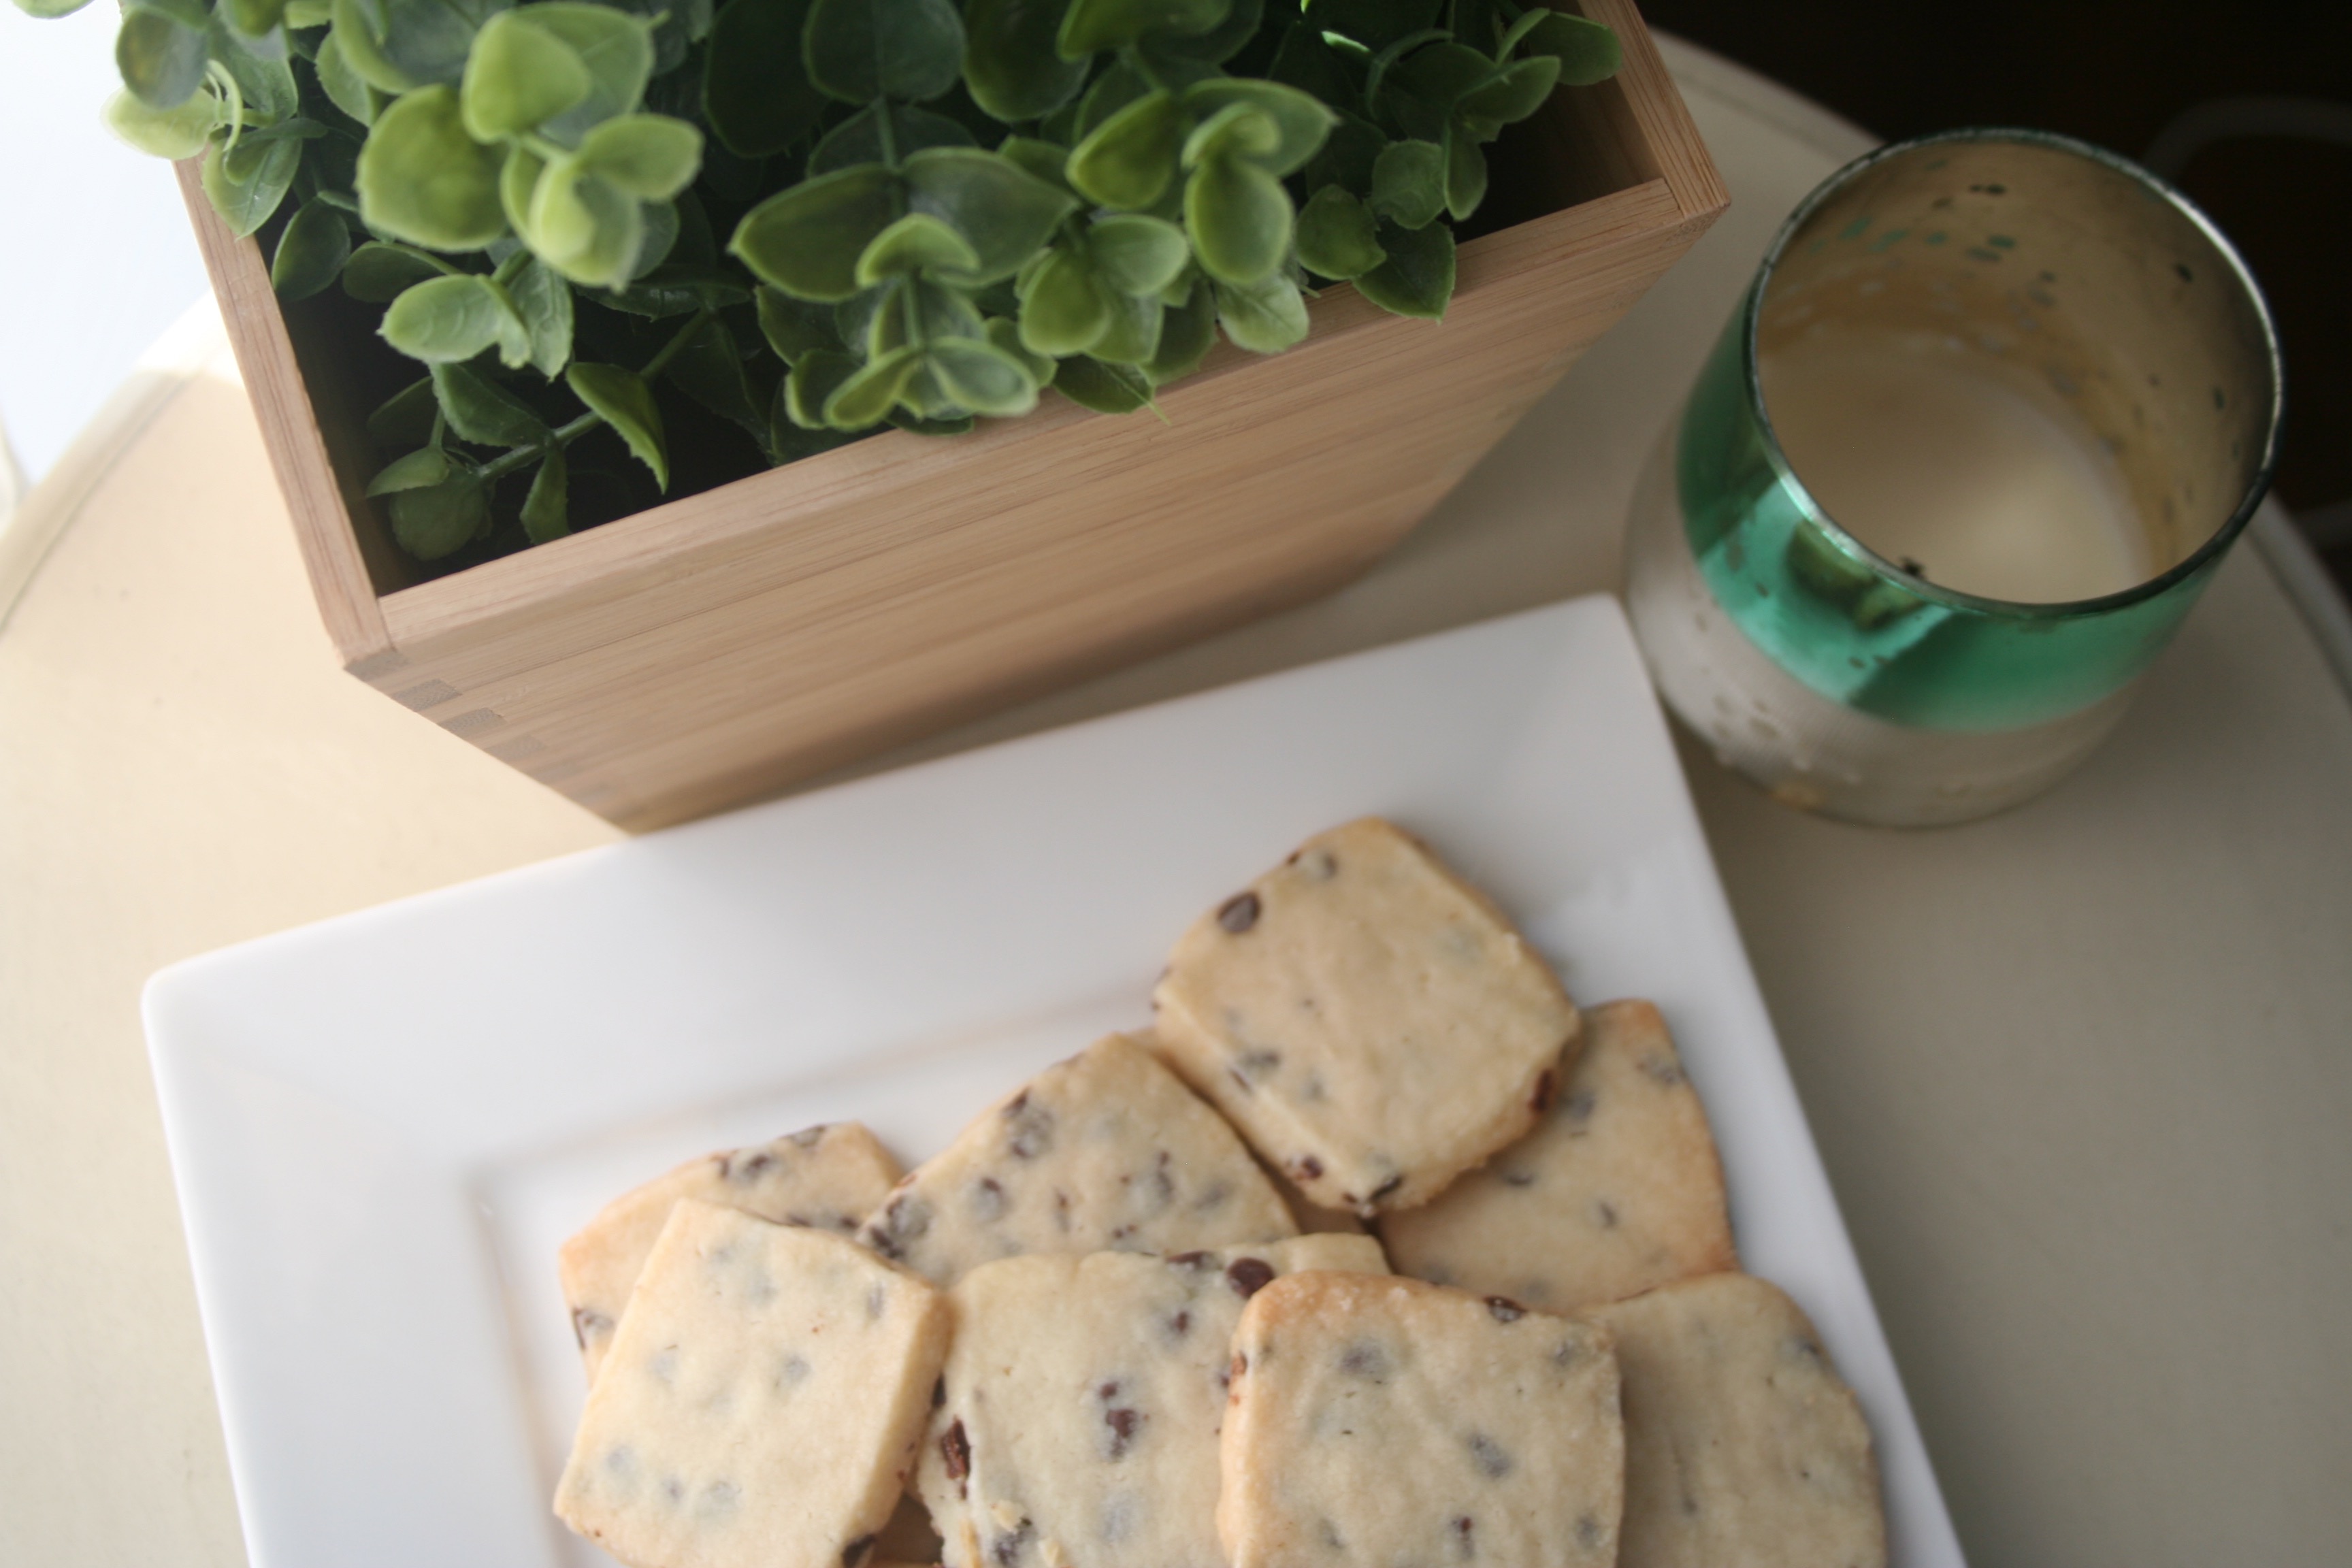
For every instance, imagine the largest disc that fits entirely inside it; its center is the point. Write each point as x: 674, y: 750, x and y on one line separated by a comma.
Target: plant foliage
x: 931, y: 210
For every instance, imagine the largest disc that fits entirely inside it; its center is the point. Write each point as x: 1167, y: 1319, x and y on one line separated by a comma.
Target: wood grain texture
x: 724, y: 645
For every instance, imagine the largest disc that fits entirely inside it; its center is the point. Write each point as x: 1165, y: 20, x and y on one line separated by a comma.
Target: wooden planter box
x: 721, y: 645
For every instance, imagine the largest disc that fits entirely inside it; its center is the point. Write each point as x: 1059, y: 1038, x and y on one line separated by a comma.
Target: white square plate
x: 382, y: 1126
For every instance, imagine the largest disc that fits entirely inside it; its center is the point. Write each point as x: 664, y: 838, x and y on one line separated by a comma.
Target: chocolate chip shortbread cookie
x: 827, y: 1176
x: 1386, y: 1423
x: 760, y: 1403
x: 1617, y: 1190
x: 1107, y: 1151
x: 1080, y: 1405
x: 1741, y: 1442
x: 1371, y: 1022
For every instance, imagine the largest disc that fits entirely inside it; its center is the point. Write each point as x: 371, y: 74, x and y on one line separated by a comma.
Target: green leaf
x: 1236, y: 132
x: 1348, y: 158
x: 1003, y: 212
x: 1375, y: 24
x: 1220, y: 43
x: 1265, y: 317
x: 1417, y: 279
x: 659, y: 226
x: 859, y: 50
x: 346, y: 89
x: 1009, y: 58
x: 311, y: 253
x: 405, y: 419
x: 1301, y: 124
x: 518, y: 76
x: 942, y: 312
x: 483, y: 412
x: 626, y: 403
x: 361, y: 46
x: 1420, y: 90
x: 858, y: 138
x: 618, y: 51
x: 817, y: 376
x: 162, y: 53
x: 1465, y: 172
x: 163, y: 133
x: 1131, y: 159
x: 245, y: 185
x: 267, y: 86
x: 867, y: 397
x: 1518, y: 92
x: 1239, y: 217
x: 1115, y: 86
x: 583, y: 228
x: 1187, y: 333
x: 378, y: 272
x: 788, y: 442
x: 678, y: 288
x: 1137, y: 255
x: 755, y: 89
x: 304, y: 13
x: 806, y: 240
x: 427, y: 40
x: 1006, y: 334
x: 1336, y: 236
x: 1105, y: 388
x: 649, y: 157
x: 442, y: 518
x: 914, y: 244
x: 542, y: 297
x: 794, y: 326
x: 1409, y: 183
x: 1587, y: 52
x: 424, y: 180
x: 546, y: 511
x: 1065, y: 311
x: 445, y: 321
x: 1047, y: 161
x: 708, y: 368
x: 519, y: 179
x: 1133, y: 336
x: 48, y: 10
x: 1092, y: 26
x: 418, y: 470
x: 983, y: 378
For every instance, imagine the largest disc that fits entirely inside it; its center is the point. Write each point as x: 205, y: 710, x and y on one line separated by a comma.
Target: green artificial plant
x: 930, y: 211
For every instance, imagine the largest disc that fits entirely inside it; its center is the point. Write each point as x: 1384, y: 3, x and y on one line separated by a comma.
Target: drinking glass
x: 1975, y: 440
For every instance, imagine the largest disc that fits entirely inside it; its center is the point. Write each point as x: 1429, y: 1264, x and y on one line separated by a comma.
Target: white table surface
x: 2081, y: 1075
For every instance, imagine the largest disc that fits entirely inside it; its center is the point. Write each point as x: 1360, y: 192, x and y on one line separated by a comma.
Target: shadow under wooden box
x: 721, y: 645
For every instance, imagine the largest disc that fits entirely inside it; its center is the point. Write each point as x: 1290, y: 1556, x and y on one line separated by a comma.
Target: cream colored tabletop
x: 2081, y: 1075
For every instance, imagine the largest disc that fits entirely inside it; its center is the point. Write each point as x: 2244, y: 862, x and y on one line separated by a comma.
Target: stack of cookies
x: 1107, y: 1327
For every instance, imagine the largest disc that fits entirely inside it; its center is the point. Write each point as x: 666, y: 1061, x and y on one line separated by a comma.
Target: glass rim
x: 2189, y: 565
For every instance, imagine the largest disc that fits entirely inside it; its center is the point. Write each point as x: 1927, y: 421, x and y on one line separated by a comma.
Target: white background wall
x: 96, y: 258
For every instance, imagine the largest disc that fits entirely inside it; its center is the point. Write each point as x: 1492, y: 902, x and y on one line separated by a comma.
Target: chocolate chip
x: 1463, y: 1545
x: 1505, y: 1311
x: 585, y: 1323
x: 1665, y: 1073
x: 1123, y: 1424
x: 1492, y: 1461
x: 1308, y: 1168
x: 1580, y: 1105
x: 749, y: 1171
x: 1188, y: 1259
x: 938, y: 1392
x: 1385, y: 1188
x: 1607, y: 1212
x: 1364, y: 1359
x: 1544, y: 1084
x: 1238, y: 913
x: 673, y: 1488
x: 988, y: 1200
x: 1031, y: 1127
x: 1248, y: 1276
x: 955, y: 1450
x: 1518, y: 1178
x: 1180, y: 1324
x: 1246, y: 1087
x: 1258, y: 1061
x: 1589, y: 1534
x: 857, y: 1552
x: 810, y: 1137
x: 1006, y: 1548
